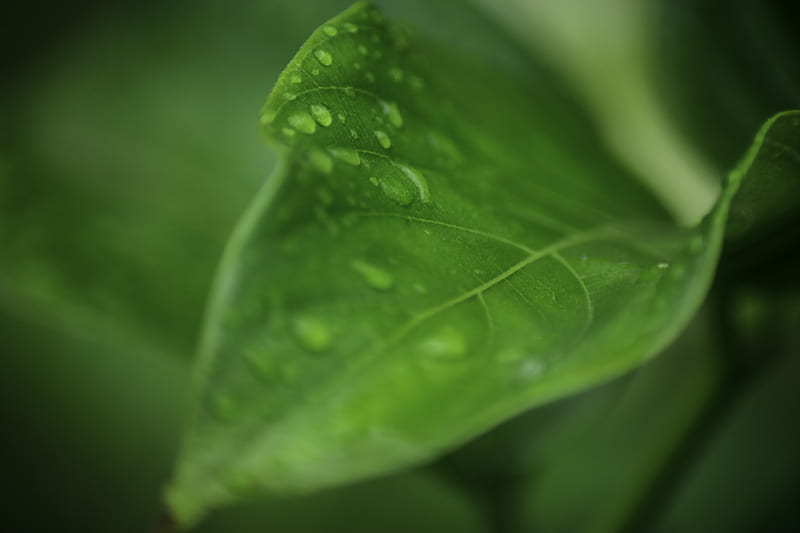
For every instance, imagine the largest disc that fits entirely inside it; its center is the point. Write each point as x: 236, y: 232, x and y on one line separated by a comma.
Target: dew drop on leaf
x: 383, y: 139
x: 391, y: 110
x: 321, y: 161
x: 330, y: 31
x: 303, y: 122
x: 324, y: 57
x: 445, y: 343
x: 312, y: 333
x: 398, y: 189
x: 374, y: 276
x: 348, y: 155
x: 321, y: 114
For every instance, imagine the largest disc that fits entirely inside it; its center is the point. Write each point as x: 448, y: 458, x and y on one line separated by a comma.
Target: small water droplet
x: 350, y: 27
x: 396, y: 74
x: 295, y: 78
x: 315, y: 72
x: 321, y: 114
x: 420, y: 288
x: 342, y: 118
x: 391, y: 110
x: 373, y: 180
x: 363, y: 49
x: 289, y: 96
x: 312, y: 333
x: 383, y: 139
x: 350, y: 91
x: 532, y: 369
x: 353, y: 133
x: 303, y: 122
x: 370, y: 77
x: 330, y: 31
x: 446, y: 343
x: 663, y: 266
x: 289, y: 132
x: 357, y: 65
x: 324, y: 57
x: 375, y: 277
x: 346, y: 154
x: 321, y: 161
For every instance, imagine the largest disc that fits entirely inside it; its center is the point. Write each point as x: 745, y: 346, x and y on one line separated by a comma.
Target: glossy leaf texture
x: 445, y: 246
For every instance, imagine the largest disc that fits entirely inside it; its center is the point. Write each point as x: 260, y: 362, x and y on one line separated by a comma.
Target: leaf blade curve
x: 416, y: 250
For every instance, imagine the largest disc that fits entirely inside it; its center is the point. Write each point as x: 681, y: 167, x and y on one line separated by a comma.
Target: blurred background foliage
x: 129, y: 147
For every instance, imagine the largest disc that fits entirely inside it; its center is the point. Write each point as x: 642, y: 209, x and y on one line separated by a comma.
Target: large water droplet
x: 375, y: 277
x: 348, y: 155
x: 330, y: 31
x: 383, y: 139
x: 303, y: 122
x: 312, y: 333
x: 390, y: 109
x: 321, y: 161
x: 418, y: 180
x: 445, y: 343
x: 398, y: 189
x: 321, y: 114
x: 324, y: 57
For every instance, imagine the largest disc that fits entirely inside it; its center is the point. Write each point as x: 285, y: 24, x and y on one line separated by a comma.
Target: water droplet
x: 289, y: 132
x: 321, y: 161
x: 383, y: 139
x: 312, y: 333
x: 295, y: 78
x: 330, y: 31
x: 391, y: 110
x: 342, y: 118
x: 416, y: 83
x: 373, y: 180
x: 370, y: 77
x: 346, y: 154
x: 418, y: 180
x: 375, y: 277
x: 223, y: 407
x: 350, y: 27
x: 396, y: 74
x: 353, y: 133
x: 288, y: 96
x: 324, y: 57
x: 532, y: 369
x: 363, y: 49
x: 420, y: 288
x: 315, y: 72
x: 349, y: 91
x: 662, y: 266
x: 446, y: 343
x: 398, y: 189
x: 303, y: 122
x: 321, y: 114
x: 357, y: 65
x: 267, y: 116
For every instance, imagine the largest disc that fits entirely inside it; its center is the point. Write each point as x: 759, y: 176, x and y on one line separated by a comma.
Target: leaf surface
x: 445, y: 246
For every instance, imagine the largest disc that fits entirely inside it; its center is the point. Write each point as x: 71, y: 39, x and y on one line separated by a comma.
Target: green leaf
x: 445, y: 246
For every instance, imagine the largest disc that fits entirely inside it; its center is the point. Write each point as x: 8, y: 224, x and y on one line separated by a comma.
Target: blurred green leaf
x: 398, y: 261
